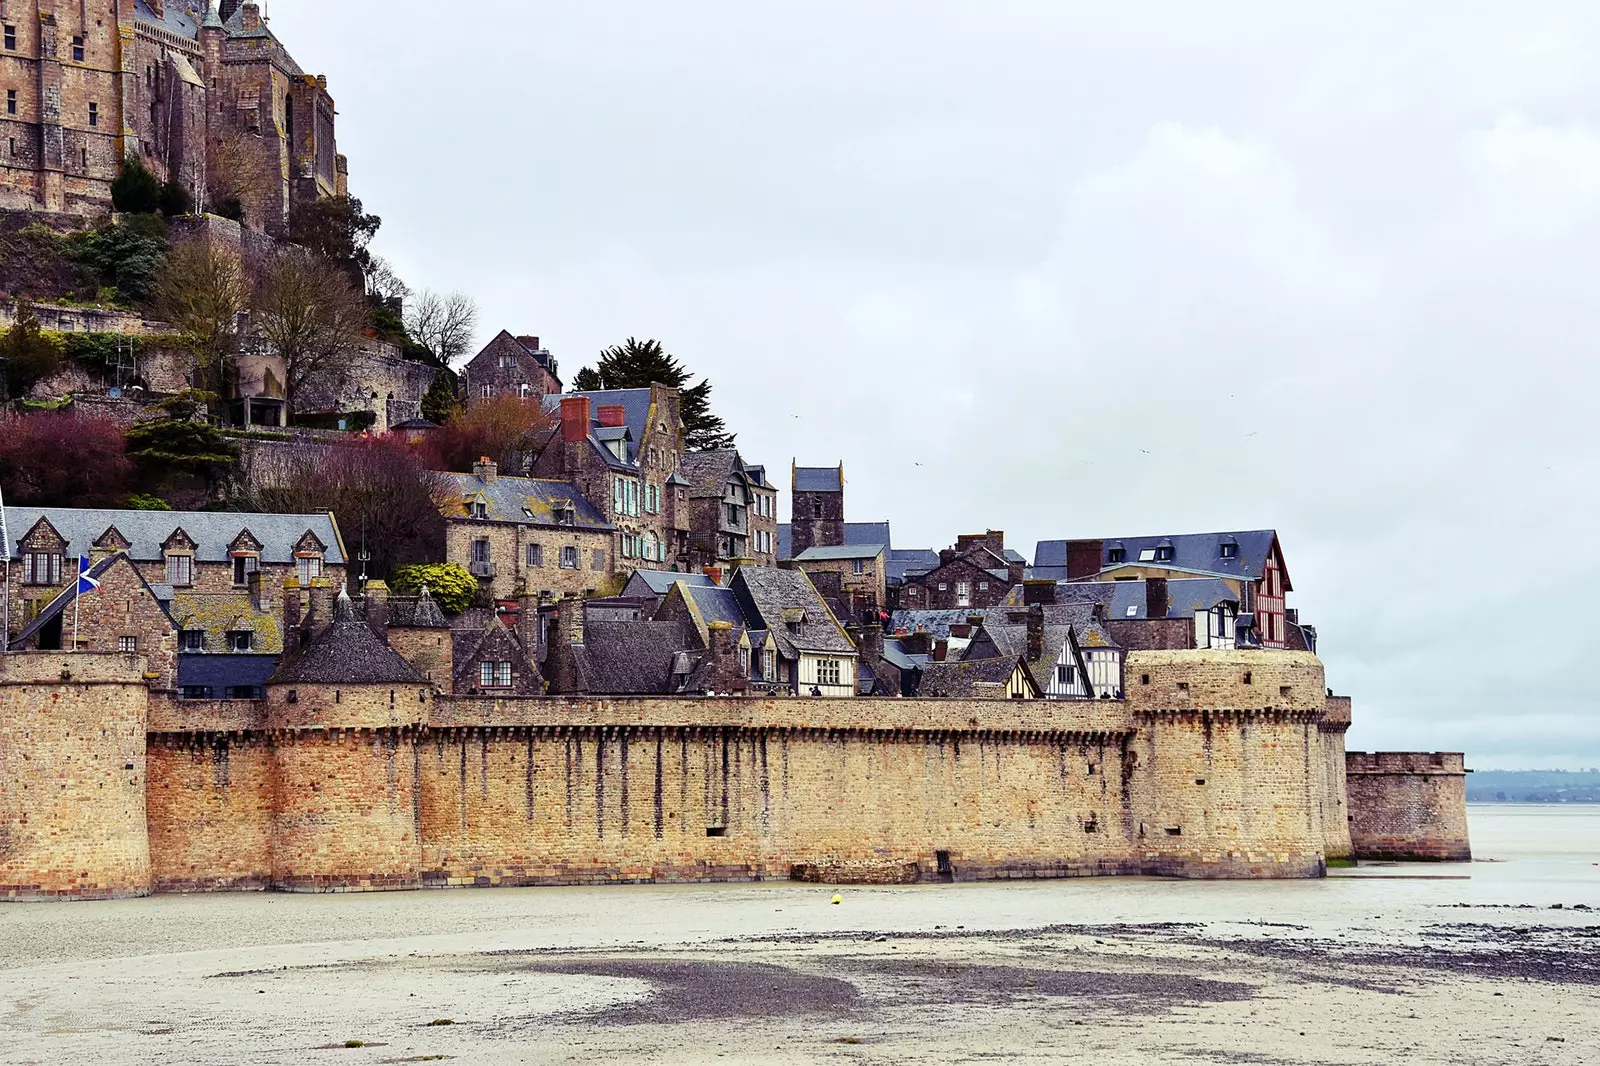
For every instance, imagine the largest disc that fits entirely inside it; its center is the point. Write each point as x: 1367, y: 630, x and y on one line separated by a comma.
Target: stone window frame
x: 192, y: 640
x: 569, y: 557
x: 94, y: 113
x: 769, y: 665
x: 598, y: 559
x: 241, y: 640
x: 128, y: 645
x: 79, y: 47
x: 245, y: 563
x: 52, y: 567
x: 494, y: 673
x: 308, y: 567
x: 179, y: 568
x: 534, y: 555
x: 11, y: 101
x: 10, y: 37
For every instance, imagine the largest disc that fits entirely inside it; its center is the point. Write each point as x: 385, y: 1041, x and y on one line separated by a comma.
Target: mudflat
x: 1488, y: 962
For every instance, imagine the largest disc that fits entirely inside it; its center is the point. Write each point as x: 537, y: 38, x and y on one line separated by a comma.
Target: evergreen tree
x: 636, y: 364
x: 27, y: 354
x: 439, y: 403
x: 135, y: 190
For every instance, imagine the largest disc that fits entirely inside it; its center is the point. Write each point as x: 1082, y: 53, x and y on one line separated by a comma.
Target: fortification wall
x: 567, y: 805
x: 1408, y: 805
x: 1334, y: 793
x: 72, y: 776
x: 210, y: 803
x: 344, y: 817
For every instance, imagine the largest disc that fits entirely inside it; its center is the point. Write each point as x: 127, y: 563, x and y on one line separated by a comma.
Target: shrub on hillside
x: 448, y: 583
x: 130, y: 255
x: 135, y: 190
x: 57, y: 459
x: 30, y: 354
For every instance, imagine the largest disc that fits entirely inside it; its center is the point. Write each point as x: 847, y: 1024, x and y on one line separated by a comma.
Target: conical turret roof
x: 348, y: 652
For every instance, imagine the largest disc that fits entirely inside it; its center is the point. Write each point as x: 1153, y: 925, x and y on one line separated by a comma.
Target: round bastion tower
x: 343, y: 717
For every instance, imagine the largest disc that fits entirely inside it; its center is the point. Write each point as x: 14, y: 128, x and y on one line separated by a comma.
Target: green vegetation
x: 135, y: 191
x: 129, y: 255
x: 636, y: 364
x: 439, y: 403
x: 141, y: 502
x: 451, y: 587
x: 97, y: 352
x: 30, y: 354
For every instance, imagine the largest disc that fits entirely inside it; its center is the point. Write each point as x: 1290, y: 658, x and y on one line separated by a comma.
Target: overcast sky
x: 1074, y: 270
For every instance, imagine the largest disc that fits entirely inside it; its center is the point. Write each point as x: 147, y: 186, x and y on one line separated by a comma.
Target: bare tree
x: 376, y: 488
x: 311, y: 313
x: 443, y: 324
x: 202, y: 291
x: 383, y: 284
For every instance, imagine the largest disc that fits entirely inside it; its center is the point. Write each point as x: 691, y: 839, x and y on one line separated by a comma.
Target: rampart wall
x: 373, y: 786
x: 1408, y: 805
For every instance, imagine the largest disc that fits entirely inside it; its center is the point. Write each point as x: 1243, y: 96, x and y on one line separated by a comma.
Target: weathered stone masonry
x: 321, y: 788
x: 1408, y: 805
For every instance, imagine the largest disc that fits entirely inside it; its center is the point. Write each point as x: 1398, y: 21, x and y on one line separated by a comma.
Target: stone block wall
x: 1408, y: 805
x: 210, y: 803
x: 1335, y: 791
x: 72, y: 776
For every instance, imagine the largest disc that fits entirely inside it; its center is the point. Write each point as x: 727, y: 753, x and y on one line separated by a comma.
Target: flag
x: 85, y: 582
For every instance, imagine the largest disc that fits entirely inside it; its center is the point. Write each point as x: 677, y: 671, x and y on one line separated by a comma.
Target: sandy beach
x: 1496, y: 961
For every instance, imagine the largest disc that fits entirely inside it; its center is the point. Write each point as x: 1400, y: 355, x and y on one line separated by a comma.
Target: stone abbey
x: 1216, y: 764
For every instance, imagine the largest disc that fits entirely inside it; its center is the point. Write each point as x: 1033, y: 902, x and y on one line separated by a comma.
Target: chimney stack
x: 486, y: 470
x: 727, y: 678
x: 291, y: 612
x: 574, y: 419
x: 715, y: 574
x: 1083, y: 558
x: 252, y: 16
x: 611, y: 415
x: 530, y: 343
x: 260, y: 593
x: 941, y: 648
x: 1155, y: 597
x: 1035, y: 633
x: 320, y: 613
x: 378, y: 608
x: 1039, y: 591
x: 566, y: 635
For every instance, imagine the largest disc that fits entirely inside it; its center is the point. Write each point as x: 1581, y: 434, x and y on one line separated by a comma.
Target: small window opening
x: 1247, y: 678
x: 1284, y: 690
x: 1174, y: 830
x: 716, y: 830
x: 1183, y: 686
x: 1144, y: 679
x: 941, y: 860
x: 1199, y: 780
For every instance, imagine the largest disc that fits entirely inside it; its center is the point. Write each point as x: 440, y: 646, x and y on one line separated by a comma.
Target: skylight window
x: 528, y: 511
x: 1147, y: 555
x: 1132, y: 611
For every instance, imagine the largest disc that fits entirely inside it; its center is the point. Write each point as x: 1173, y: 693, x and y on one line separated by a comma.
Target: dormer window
x: 1164, y: 554
x: 240, y: 640
x: 243, y: 567
x: 180, y: 570
x: 1117, y: 555
x: 307, y: 568
x: 1230, y: 550
x: 527, y: 512
x: 41, y: 568
x: 192, y: 640
x: 479, y: 509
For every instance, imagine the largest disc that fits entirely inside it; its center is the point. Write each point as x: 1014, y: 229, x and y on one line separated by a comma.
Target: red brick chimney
x: 611, y: 415
x: 1155, y: 597
x: 1083, y: 558
x: 530, y: 343
x: 715, y: 574
x: 574, y: 419
x: 727, y: 676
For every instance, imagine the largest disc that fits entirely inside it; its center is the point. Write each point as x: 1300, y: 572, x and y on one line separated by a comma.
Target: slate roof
x: 1185, y: 596
x: 174, y: 20
x: 905, y: 562
x: 635, y: 404
x: 523, y: 500
x: 818, y: 479
x: 220, y: 672
x: 958, y: 678
x: 414, y: 423
x: 854, y: 533
x: 421, y: 613
x: 660, y: 581
x: 842, y: 551
x: 635, y: 658
x: 212, y: 531
x: 347, y: 652
x: 710, y: 471
x: 1200, y: 552
x: 771, y: 599
x: 896, y: 655
x: 217, y: 614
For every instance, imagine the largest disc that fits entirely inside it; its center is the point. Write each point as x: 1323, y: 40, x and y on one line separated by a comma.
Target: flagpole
x: 5, y: 547
x: 77, y: 594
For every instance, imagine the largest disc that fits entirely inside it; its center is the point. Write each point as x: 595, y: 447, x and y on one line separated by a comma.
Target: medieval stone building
x: 204, y: 95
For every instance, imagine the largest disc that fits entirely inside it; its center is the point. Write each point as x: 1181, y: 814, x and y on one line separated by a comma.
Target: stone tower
x: 816, y: 507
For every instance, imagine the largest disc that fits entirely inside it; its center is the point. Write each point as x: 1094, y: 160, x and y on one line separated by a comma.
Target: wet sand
x: 1466, y: 963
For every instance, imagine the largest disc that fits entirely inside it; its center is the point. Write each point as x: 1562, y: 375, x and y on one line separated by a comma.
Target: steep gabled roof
x: 211, y: 531
x: 522, y: 501
x: 787, y: 605
x: 842, y: 551
x: 66, y: 596
x: 659, y: 581
x: 710, y: 471
x: 940, y: 679
x: 348, y: 652
x: 635, y: 658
